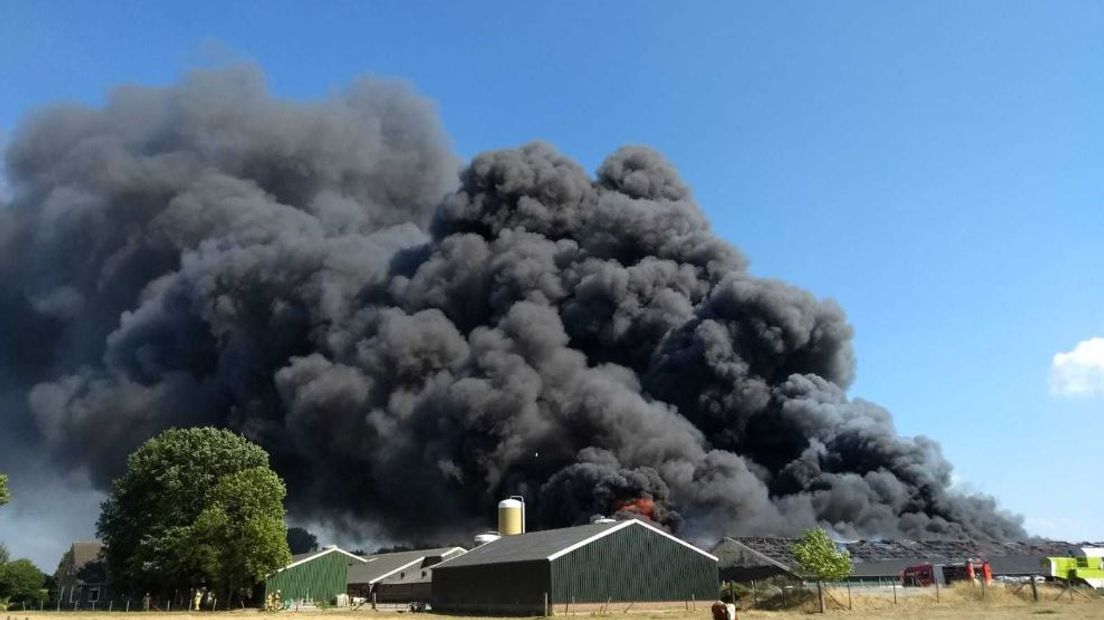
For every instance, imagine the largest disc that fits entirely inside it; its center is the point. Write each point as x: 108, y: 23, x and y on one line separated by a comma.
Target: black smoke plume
x: 412, y: 341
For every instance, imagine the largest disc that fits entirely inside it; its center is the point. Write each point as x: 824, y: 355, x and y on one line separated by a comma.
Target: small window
x: 423, y: 573
x: 401, y: 575
x: 93, y: 595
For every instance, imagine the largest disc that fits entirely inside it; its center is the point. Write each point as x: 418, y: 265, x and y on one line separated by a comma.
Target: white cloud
x: 1079, y: 372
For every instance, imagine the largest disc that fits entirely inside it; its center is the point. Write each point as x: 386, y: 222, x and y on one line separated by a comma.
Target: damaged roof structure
x: 751, y: 558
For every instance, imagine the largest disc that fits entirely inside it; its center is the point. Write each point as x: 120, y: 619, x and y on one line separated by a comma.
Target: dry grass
x: 955, y: 602
x: 966, y: 601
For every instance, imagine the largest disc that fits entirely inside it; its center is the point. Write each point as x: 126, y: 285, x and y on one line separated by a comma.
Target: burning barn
x: 618, y: 561
x: 745, y: 559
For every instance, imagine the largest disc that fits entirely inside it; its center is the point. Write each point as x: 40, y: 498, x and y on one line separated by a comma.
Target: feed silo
x: 511, y: 516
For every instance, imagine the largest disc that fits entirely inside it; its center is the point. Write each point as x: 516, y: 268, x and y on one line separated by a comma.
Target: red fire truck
x: 923, y: 575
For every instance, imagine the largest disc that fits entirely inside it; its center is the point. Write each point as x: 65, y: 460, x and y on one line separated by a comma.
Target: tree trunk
x: 820, y: 595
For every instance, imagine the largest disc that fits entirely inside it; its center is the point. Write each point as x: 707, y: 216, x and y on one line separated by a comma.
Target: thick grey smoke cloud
x: 410, y: 344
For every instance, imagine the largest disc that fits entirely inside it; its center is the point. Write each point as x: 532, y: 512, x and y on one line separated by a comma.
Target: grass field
x: 945, y: 610
x: 975, y: 612
x: 956, y: 602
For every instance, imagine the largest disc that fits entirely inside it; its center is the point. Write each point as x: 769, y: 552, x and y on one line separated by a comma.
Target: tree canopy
x: 5, y: 495
x: 196, y: 507
x: 301, y: 541
x: 817, y: 557
x: 21, y: 582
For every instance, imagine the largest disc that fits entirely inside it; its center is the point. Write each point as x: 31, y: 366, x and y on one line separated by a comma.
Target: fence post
x: 849, y: 594
x: 983, y: 587
x: 936, y: 590
x: 894, y: 593
x: 546, y: 603
x: 128, y: 605
x: 1034, y: 590
x: 754, y: 595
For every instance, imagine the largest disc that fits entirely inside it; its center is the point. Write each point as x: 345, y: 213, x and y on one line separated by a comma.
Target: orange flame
x: 643, y: 506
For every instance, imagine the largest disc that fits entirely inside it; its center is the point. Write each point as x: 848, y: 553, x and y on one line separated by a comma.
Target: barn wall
x: 320, y: 579
x: 508, y: 588
x: 633, y: 564
x: 403, y: 592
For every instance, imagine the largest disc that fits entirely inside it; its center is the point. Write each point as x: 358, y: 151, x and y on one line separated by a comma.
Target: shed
x: 620, y: 561
x: 318, y: 576
x: 399, y: 577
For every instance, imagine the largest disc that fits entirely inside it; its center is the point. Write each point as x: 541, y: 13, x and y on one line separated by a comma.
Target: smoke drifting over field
x: 411, y: 344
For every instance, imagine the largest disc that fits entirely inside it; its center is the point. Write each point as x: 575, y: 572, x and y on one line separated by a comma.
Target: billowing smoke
x: 412, y: 340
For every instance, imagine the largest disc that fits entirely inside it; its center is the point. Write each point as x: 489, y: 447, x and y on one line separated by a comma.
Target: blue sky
x: 934, y: 167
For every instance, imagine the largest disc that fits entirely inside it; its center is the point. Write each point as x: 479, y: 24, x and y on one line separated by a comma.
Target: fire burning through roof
x: 639, y: 507
x: 317, y: 277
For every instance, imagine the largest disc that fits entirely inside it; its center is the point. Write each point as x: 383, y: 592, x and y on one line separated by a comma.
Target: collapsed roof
x: 752, y: 557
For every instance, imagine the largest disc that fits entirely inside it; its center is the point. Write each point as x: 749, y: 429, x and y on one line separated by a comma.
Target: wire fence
x: 93, y: 599
x: 780, y: 593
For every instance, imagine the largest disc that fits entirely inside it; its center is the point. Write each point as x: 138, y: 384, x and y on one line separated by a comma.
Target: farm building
x: 400, y: 577
x: 82, y: 575
x: 619, y: 561
x: 315, y: 577
x: 753, y: 558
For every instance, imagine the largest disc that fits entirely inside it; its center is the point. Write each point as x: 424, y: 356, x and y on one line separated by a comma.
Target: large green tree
x: 196, y: 507
x: 819, y: 559
x: 21, y: 582
x: 301, y: 541
x: 5, y: 495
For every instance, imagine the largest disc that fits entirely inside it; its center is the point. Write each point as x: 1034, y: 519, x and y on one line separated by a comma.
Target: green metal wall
x: 633, y: 564
x: 516, y: 588
x: 319, y: 580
